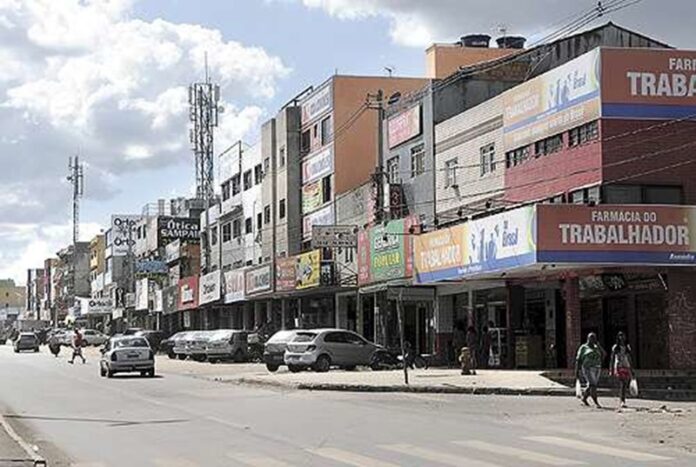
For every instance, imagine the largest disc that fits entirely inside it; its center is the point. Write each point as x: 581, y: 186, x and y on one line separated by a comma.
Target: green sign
x: 390, y: 248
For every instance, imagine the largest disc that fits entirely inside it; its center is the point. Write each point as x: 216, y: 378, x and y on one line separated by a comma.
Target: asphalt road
x: 179, y: 421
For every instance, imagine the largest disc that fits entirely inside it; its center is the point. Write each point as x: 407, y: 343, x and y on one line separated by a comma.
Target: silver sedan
x: 127, y: 354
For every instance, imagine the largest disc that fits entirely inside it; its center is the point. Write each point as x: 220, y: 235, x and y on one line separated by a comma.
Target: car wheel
x: 349, y: 368
x: 16, y: 350
x: 109, y: 374
x: 271, y: 367
x: 238, y: 356
x: 151, y: 373
x: 172, y: 355
x: 143, y: 373
x: 36, y: 349
x: 294, y: 368
x: 323, y: 364
x: 199, y: 358
x: 212, y: 360
x: 102, y: 371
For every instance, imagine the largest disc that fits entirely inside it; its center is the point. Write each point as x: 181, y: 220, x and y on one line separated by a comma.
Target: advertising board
x: 386, y: 252
x: 188, y: 293
x: 209, y: 288
x: 258, y: 280
x: 324, y: 216
x: 318, y: 165
x: 404, y: 126
x: 177, y: 228
x: 169, y: 299
x: 317, y: 104
x: 617, y: 234
x: 234, y: 286
x: 312, y: 196
x: 142, y: 293
x: 286, y: 274
x: 121, y: 232
x: 308, y: 270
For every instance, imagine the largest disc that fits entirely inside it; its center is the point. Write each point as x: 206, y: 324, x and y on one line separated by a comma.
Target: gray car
x: 127, y: 354
x: 320, y: 349
x: 26, y: 341
x: 275, y: 347
x: 227, y: 344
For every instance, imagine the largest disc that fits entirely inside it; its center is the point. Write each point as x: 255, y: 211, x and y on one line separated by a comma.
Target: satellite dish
x: 394, y: 98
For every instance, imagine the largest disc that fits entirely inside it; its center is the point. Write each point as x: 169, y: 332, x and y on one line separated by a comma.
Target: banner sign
x: 188, y: 293
x: 324, y: 216
x: 142, y: 294
x: 234, y: 286
x: 385, y: 252
x: 308, y: 269
x: 122, y: 233
x: 335, y: 236
x: 317, y: 104
x: 170, y: 299
x: 495, y: 243
x: 172, y: 251
x: 404, y: 126
x: 151, y: 267
x: 312, y: 196
x: 552, y: 103
x: 177, y: 228
x: 617, y: 234
x: 95, y: 306
x: 286, y: 274
x: 209, y: 288
x: 258, y: 280
x: 317, y: 166
x: 648, y: 83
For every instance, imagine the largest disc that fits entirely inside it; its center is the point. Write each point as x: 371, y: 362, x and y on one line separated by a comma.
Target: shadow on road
x: 110, y: 422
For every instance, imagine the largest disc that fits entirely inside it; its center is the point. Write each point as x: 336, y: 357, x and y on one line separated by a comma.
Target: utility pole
x: 76, y: 178
x: 376, y: 102
x: 203, y: 114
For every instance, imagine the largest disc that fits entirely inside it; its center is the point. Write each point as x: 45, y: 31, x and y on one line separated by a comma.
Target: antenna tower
x: 76, y: 179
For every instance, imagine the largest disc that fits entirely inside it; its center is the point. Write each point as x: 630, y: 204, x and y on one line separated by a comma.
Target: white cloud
x: 419, y: 23
x: 84, y: 75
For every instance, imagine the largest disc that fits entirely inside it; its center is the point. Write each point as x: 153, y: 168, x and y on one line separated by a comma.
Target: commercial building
x: 13, y: 301
x: 35, y: 293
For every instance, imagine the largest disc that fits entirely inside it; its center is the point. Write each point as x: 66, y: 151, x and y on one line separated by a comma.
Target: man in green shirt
x: 588, y: 363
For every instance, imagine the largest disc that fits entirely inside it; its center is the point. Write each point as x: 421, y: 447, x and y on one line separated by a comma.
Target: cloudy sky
x: 107, y: 79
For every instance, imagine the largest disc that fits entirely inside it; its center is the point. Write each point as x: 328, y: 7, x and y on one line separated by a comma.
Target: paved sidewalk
x: 11, y: 453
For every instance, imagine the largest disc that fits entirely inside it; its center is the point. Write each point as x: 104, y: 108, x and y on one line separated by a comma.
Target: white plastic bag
x: 578, y: 389
x: 633, y: 388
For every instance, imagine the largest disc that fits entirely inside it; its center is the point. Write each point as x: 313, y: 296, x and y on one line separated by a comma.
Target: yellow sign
x: 307, y: 270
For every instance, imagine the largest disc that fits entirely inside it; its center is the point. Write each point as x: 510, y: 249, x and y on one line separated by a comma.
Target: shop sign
x: 142, y: 293
x: 258, y: 280
x: 308, y: 270
x: 151, y: 267
x: 324, y: 216
x: 439, y: 255
x: 188, y: 293
x: 318, y: 103
x: 172, y: 251
x: 122, y: 233
x: 93, y: 305
x: 312, y: 196
x: 159, y: 301
x: 617, y: 234
x: 209, y: 288
x: 285, y: 274
x: 234, y: 286
x: 554, y: 102
x: 404, y: 126
x: 170, y: 299
x: 335, y: 236
x: 318, y: 166
x: 389, y: 252
x: 177, y: 228
x: 650, y: 84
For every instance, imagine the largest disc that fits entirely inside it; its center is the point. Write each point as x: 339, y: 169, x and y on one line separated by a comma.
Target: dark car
x: 26, y: 341
x: 131, y: 331
x: 154, y: 338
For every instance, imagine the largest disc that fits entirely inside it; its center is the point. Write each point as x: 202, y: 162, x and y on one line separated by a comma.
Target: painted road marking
x: 597, y: 448
x: 432, y: 455
x: 350, y: 458
x: 522, y: 454
x: 257, y: 461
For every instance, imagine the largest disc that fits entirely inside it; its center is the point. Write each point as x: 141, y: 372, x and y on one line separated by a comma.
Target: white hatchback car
x: 127, y: 354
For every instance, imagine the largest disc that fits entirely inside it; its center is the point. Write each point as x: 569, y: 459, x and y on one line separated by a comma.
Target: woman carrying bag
x: 620, y: 366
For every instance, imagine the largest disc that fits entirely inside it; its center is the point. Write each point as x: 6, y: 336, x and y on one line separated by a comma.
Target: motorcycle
x: 54, y: 348
x: 385, y: 359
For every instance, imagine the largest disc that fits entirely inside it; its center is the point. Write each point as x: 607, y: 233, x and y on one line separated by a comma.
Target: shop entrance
x: 417, y: 321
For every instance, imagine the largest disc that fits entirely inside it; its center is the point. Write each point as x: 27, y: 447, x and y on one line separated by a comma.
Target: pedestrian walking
x: 54, y: 344
x: 77, y: 343
x: 620, y: 366
x: 485, y: 359
x: 472, y: 344
x: 588, y: 364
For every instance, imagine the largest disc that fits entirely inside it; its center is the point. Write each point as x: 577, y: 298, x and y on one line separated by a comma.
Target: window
x: 266, y: 166
x: 451, y: 173
x: 267, y: 214
x: 236, y: 228
x: 226, y: 191
x: 622, y: 194
x: 487, y: 159
x: 586, y: 195
x: 305, y: 142
x: 259, y: 221
x: 335, y: 338
x: 583, y: 134
x: 516, y: 157
x: 662, y: 195
x: 642, y: 194
x: 226, y: 233
x: 393, y: 170
x: 548, y: 145
x: 326, y: 189
x: 315, y: 128
x: 258, y: 174
x: 281, y: 209
x: 417, y: 160
x: 248, y: 226
x: 236, y: 185
x: 326, y: 131
x: 281, y: 157
x: 214, y: 235
x: 247, y: 180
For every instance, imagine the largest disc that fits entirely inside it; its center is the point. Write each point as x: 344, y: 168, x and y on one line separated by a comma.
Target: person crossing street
x: 77, y: 343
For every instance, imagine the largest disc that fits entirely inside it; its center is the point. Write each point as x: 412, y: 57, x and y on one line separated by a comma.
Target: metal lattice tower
x: 76, y: 178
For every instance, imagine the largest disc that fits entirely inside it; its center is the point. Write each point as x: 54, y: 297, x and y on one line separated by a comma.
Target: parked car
x: 93, y: 337
x: 127, y: 354
x: 167, y: 345
x: 227, y: 344
x: 26, y: 341
x: 275, y: 348
x: 180, y: 345
x: 196, y: 345
x: 154, y: 338
x: 320, y: 349
x: 131, y: 331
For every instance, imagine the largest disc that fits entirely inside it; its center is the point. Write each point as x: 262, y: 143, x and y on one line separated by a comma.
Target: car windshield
x: 305, y: 337
x: 133, y: 342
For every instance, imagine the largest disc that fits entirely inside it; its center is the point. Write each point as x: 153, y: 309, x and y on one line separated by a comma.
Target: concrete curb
x: 26, y: 447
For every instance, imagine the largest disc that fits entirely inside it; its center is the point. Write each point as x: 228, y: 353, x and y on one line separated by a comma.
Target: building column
x: 283, y: 314
x: 573, y: 323
x: 359, y: 318
x: 257, y: 315
x: 515, y: 311
x: 681, y: 320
